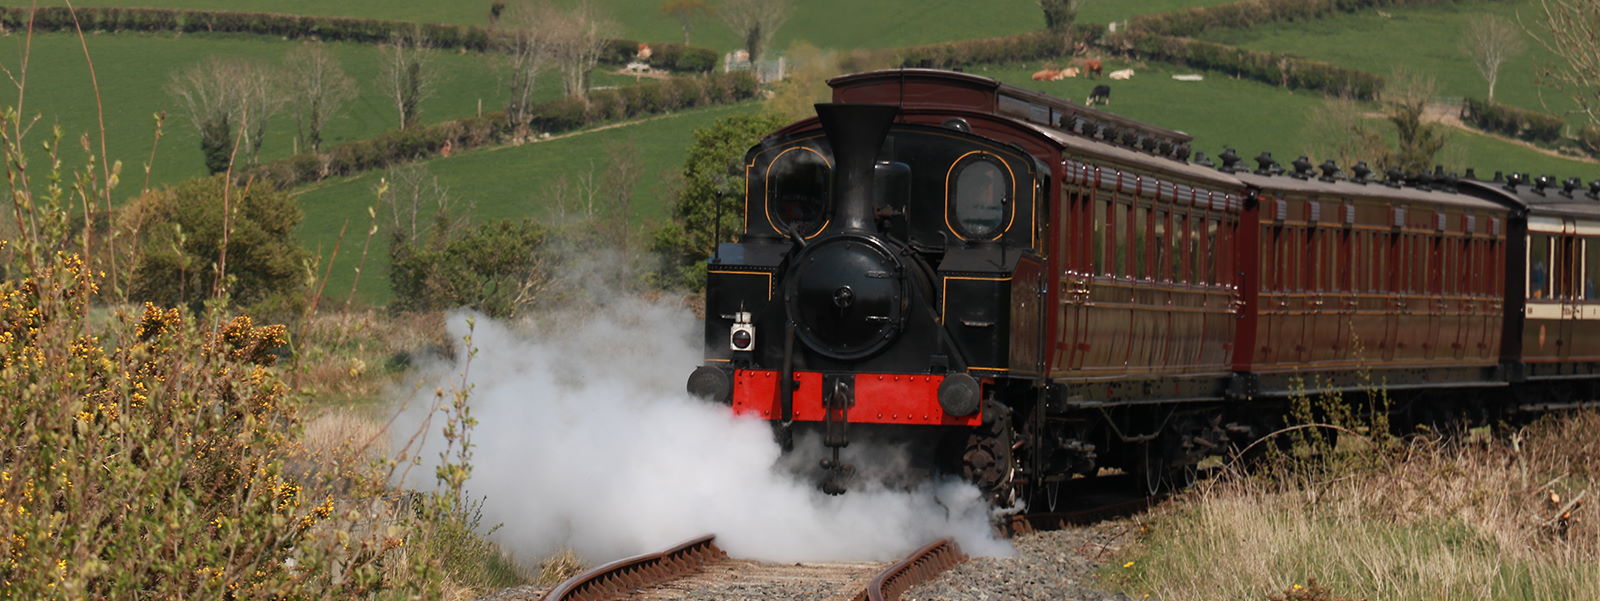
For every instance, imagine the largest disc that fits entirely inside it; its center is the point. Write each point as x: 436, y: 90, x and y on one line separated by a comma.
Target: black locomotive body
x: 1030, y: 290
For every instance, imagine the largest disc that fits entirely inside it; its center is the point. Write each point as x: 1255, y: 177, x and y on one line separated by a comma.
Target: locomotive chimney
x: 855, y: 131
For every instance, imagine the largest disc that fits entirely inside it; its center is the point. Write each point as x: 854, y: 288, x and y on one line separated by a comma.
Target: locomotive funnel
x: 856, y: 132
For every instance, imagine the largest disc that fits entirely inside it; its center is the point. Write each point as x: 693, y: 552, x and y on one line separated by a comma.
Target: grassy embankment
x: 1486, y: 519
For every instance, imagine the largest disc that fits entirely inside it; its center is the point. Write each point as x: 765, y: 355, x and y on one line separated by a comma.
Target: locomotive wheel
x: 987, y: 461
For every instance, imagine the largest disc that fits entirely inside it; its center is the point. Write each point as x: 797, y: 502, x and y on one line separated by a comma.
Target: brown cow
x: 1093, y: 68
x: 1046, y: 75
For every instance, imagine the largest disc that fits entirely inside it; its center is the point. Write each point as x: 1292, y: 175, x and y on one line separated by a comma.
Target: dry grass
x: 353, y: 357
x: 1494, y: 519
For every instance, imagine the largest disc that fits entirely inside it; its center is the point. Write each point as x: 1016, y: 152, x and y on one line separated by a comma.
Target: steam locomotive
x: 1025, y: 290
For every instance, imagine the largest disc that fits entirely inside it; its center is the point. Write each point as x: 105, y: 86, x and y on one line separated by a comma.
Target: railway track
x: 698, y: 570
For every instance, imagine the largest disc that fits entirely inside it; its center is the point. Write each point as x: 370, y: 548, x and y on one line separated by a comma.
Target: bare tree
x: 755, y: 22
x: 1342, y: 133
x: 318, y: 87
x: 407, y: 74
x: 415, y: 205
x: 259, y: 99
x: 1571, y: 31
x: 1491, y: 41
x: 229, y: 102
x: 576, y: 37
x: 686, y: 12
x: 526, y: 46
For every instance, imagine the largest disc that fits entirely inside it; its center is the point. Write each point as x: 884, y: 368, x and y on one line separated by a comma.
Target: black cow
x: 1100, y: 95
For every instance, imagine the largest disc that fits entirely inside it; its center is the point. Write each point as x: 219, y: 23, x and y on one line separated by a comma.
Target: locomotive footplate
x: 835, y: 423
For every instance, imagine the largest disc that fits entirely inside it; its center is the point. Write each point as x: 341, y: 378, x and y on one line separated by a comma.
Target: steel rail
x: 624, y: 576
x: 919, y: 567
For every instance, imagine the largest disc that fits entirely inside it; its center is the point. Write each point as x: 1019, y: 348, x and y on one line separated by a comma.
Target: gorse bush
x: 147, y: 459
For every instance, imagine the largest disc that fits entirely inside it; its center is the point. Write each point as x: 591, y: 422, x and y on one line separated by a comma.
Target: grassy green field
x: 134, y: 71
x: 838, y: 24
x: 499, y: 183
x: 1251, y: 117
x: 1420, y: 39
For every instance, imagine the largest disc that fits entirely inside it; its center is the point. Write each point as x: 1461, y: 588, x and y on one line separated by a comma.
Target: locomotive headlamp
x: 742, y: 337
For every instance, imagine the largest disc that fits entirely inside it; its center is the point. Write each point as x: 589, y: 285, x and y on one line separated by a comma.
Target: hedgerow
x: 1268, y: 67
x: 555, y: 116
x: 669, y: 56
x: 1195, y: 20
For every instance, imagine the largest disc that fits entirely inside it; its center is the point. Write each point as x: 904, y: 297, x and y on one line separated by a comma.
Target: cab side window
x: 798, y: 191
x: 980, y: 196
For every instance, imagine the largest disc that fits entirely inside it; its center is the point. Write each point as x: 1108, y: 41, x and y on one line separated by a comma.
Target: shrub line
x: 668, y: 56
x: 549, y: 117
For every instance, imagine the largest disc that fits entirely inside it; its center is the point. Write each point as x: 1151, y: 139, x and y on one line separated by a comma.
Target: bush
x: 496, y: 268
x: 183, y: 240
x: 1513, y: 122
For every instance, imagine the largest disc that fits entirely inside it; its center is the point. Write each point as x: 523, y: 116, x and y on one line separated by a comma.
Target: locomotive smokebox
x: 856, y: 132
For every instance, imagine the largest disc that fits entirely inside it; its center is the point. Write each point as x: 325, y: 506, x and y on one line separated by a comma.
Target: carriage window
x: 798, y: 191
x: 981, y: 191
x: 1538, y: 266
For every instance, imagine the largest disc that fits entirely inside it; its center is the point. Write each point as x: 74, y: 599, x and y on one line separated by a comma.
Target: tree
x: 713, y: 186
x: 526, y: 49
x: 1059, y: 14
x: 415, y: 206
x: 686, y: 12
x: 1572, y: 34
x: 755, y: 22
x: 318, y: 87
x: 229, y: 102
x: 1405, y: 99
x: 1342, y: 133
x: 183, y: 243
x: 1491, y: 41
x: 577, y: 38
x: 407, y: 74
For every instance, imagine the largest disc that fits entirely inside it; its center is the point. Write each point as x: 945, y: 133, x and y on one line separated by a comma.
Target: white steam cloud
x: 585, y: 439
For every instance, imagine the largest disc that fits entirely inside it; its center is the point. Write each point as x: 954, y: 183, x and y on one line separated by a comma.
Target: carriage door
x: 1081, y: 244
x: 1569, y: 261
x: 1434, y: 302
